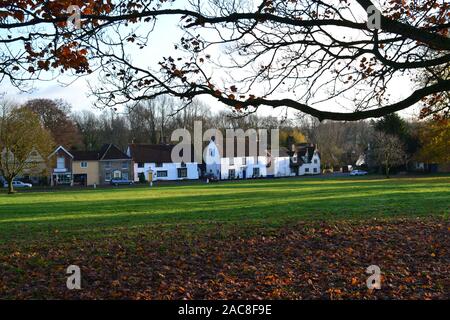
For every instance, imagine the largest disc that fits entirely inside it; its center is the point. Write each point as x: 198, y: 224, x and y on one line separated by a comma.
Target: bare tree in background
x: 389, y: 150
x: 339, y: 143
x: 89, y: 125
x: 55, y: 116
x: 331, y: 139
x: 142, y: 120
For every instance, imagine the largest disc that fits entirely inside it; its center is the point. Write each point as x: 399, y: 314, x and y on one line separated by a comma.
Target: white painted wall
x: 221, y: 166
x: 309, y: 169
x: 283, y: 167
x: 240, y: 166
x: 172, y: 171
x: 312, y: 168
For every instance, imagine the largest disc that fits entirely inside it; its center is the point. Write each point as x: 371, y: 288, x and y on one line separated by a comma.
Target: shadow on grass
x: 30, y: 220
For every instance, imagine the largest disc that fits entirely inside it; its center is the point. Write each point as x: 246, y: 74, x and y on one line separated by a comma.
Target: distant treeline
x: 153, y: 121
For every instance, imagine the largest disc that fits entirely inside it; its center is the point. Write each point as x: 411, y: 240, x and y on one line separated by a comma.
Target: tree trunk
x: 387, y: 171
x: 10, y: 186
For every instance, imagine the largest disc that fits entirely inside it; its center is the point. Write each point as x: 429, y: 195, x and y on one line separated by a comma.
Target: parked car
x: 118, y: 182
x: 358, y: 173
x: 18, y: 184
x: 211, y: 177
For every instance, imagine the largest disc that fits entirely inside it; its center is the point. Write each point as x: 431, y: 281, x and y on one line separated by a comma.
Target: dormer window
x: 60, y: 163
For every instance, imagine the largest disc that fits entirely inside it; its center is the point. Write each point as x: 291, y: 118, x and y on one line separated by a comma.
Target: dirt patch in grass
x: 314, y: 260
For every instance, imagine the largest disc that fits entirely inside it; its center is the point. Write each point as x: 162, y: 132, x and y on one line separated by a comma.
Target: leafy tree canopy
x: 24, y: 142
x: 435, y: 142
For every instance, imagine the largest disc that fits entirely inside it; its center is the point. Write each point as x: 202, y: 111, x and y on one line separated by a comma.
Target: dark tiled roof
x: 151, y: 153
x: 154, y: 153
x: 107, y: 152
x: 112, y: 152
x: 302, y: 150
x: 85, y: 155
x: 283, y: 152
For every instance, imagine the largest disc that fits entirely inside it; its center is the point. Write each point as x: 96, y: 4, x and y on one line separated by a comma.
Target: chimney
x: 290, y: 141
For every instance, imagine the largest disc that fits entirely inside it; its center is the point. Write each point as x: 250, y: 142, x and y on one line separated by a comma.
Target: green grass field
x: 299, y: 238
x: 103, y: 212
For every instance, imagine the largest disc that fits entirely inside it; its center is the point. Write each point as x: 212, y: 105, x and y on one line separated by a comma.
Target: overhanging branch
x: 415, y: 97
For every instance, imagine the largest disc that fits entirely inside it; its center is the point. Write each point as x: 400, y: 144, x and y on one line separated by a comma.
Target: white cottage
x: 246, y: 165
x: 235, y: 166
x: 155, y: 162
x: 305, y: 159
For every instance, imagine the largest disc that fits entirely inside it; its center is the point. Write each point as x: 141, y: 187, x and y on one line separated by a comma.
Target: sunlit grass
x: 101, y: 211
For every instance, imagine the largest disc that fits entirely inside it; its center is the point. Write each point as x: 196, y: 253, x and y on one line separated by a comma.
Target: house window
x: 34, y: 153
x: 159, y: 164
x: 231, y: 174
x: 125, y: 165
x: 84, y: 164
x: 256, y: 172
x: 125, y: 175
x: 315, y: 161
x: 63, y: 178
x: 141, y: 165
x: 182, y: 173
x: 161, y: 174
x: 315, y: 170
x: 108, y: 165
x: 117, y: 174
x: 60, y: 163
x: 306, y: 169
x: 107, y: 176
x: 294, y: 158
x: 211, y: 152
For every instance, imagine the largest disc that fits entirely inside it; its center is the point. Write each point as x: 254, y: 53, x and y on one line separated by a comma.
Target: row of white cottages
x: 154, y: 162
